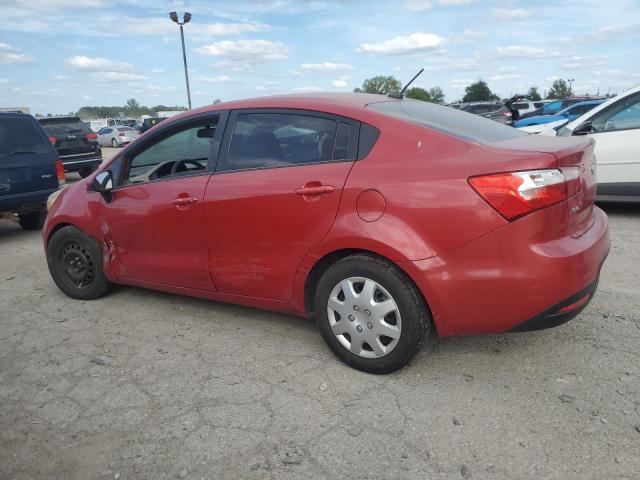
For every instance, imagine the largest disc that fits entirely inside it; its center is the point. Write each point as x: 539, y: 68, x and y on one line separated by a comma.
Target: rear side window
x: 21, y: 135
x: 264, y: 140
x: 448, y: 120
x: 64, y: 126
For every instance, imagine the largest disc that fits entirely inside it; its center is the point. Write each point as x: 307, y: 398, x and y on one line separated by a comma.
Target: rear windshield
x: 447, y: 120
x: 63, y: 126
x: 21, y: 135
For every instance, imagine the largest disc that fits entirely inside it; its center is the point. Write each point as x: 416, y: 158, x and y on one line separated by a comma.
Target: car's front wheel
x: 75, y: 264
x: 114, y: 143
x: 370, y: 314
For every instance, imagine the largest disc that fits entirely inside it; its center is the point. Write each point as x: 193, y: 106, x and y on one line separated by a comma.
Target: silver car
x: 116, y: 136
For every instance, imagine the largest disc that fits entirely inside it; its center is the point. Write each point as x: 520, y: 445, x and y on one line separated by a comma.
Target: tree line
x: 476, y: 92
x: 131, y: 109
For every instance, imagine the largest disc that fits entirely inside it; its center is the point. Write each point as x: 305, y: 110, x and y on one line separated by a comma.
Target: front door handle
x: 183, y: 201
x: 315, y: 190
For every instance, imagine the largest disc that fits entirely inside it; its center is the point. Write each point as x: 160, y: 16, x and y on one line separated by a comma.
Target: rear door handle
x: 318, y: 190
x: 183, y: 201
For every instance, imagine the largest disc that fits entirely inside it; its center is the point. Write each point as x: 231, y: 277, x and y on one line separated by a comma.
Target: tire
x: 33, y: 220
x: 408, y: 319
x: 114, y: 143
x: 86, y: 171
x: 75, y: 263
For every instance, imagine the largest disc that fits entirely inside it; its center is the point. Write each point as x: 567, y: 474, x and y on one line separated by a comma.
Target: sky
x: 59, y: 55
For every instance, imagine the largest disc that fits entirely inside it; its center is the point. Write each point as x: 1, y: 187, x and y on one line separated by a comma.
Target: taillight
x: 91, y: 136
x: 53, y: 139
x: 60, y: 172
x: 121, y: 134
x: 519, y: 193
x: 506, y: 114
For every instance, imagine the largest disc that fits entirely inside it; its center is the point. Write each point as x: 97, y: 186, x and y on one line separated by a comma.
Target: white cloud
x: 520, y: 51
x: 86, y: 97
x: 417, y: 5
x: 414, y: 43
x: 307, y: 89
x: 339, y: 84
x: 160, y: 88
x: 115, y: 77
x: 98, y: 64
x: 61, y: 77
x: 260, y: 88
x: 246, y: 50
x: 460, y: 82
x: 326, y: 67
x: 3, y: 80
x: 157, y: 70
x: 473, y: 34
x: 10, y: 54
x: 162, y: 26
x: 511, y: 14
x: 454, y: 2
x: 217, y: 79
x: 506, y: 76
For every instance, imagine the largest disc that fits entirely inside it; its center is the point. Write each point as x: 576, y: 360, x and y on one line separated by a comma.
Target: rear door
x: 274, y: 196
x: 27, y: 160
x: 72, y: 138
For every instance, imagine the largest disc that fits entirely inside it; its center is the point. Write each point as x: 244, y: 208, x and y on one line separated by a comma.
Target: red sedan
x: 388, y: 220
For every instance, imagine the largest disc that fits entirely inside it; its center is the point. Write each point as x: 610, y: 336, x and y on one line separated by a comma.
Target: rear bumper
x: 24, y: 201
x: 519, y: 277
x: 75, y: 164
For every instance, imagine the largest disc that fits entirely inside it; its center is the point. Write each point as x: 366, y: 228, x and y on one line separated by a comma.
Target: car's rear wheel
x: 370, y: 314
x: 114, y: 143
x: 33, y: 220
x: 75, y: 263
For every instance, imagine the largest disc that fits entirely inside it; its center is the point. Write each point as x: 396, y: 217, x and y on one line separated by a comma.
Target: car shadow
x: 10, y: 230
x: 614, y: 208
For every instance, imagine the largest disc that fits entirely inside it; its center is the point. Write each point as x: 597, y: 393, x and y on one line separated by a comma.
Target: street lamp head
x: 187, y: 17
x: 173, y: 16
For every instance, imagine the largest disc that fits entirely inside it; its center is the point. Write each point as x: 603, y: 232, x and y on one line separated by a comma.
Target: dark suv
x: 30, y: 170
x: 76, y: 143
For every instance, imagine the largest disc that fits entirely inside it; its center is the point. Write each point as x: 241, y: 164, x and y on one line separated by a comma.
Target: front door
x: 616, y: 131
x: 154, y: 221
x: 275, y: 196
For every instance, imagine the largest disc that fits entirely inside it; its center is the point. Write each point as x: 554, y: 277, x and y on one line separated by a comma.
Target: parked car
x: 147, y: 123
x: 546, y: 128
x: 555, y: 106
x: 325, y: 205
x: 615, y: 127
x: 97, y: 125
x: 29, y: 170
x: 117, y: 136
x: 76, y: 144
x: 568, y: 114
x: 494, y: 110
x: 527, y: 106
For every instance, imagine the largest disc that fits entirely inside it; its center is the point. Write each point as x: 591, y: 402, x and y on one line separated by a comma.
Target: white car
x: 550, y: 129
x: 116, y: 136
x: 528, y: 106
x: 615, y: 126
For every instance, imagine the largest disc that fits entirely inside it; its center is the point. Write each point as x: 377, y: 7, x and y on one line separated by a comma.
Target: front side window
x: 182, y: 152
x: 624, y: 115
x: 552, y: 108
x: 264, y: 140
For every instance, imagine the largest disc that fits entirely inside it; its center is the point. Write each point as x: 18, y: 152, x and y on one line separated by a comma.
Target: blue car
x: 30, y: 170
x: 568, y: 114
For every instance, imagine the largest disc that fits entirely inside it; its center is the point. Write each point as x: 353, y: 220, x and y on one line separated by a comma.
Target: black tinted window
x: 262, y: 140
x: 21, y: 135
x: 62, y: 126
x: 448, y: 120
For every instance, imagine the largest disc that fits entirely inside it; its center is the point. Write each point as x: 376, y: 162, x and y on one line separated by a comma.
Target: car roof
x: 15, y: 114
x: 59, y: 117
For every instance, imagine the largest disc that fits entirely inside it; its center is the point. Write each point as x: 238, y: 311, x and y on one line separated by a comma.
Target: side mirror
x: 103, y: 184
x: 583, y: 129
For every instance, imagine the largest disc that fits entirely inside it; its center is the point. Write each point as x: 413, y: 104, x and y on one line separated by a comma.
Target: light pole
x: 570, y: 80
x: 185, y: 19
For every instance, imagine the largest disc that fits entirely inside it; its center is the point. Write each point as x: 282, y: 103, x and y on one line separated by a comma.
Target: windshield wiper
x: 17, y: 152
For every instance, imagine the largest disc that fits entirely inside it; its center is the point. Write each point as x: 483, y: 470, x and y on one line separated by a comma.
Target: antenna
x: 400, y: 94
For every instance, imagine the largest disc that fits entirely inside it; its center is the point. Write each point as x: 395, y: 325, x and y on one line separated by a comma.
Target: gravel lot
x: 150, y: 385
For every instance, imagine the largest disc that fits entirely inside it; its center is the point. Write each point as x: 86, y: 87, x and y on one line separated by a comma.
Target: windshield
x: 21, y: 135
x: 447, y: 120
x: 552, y: 108
x: 64, y: 126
